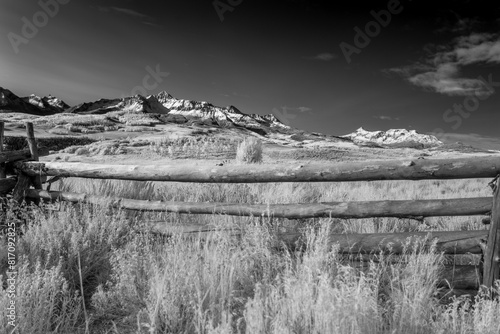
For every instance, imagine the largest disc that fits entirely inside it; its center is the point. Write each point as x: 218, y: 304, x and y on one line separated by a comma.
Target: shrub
x: 249, y: 151
x: 82, y: 151
x: 44, y: 301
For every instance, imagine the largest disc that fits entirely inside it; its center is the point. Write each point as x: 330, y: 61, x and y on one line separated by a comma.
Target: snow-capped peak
x: 50, y: 103
x: 392, y: 136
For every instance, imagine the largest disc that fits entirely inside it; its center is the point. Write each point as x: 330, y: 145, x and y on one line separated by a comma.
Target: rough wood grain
x: 2, y: 165
x: 7, y: 184
x: 449, y: 242
x: 30, y: 133
x: 13, y: 156
x: 21, y: 188
x: 460, y: 277
x: 417, y: 169
x: 492, y: 253
x: 367, y: 209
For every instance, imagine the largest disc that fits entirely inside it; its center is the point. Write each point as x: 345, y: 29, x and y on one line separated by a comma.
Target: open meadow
x: 92, y: 269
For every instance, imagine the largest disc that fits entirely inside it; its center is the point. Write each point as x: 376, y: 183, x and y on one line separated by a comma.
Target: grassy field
x: 86, y: 269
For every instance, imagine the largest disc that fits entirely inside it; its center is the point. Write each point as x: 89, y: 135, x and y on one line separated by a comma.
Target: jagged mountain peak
x: 163, y: 95
x: 10, y: 102
x: 49, y: 103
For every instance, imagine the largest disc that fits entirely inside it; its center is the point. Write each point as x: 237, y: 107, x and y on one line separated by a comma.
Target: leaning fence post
x: 30, y: 133
x: 2, y: 165
x: 492, y: 253
x: 31, y: 141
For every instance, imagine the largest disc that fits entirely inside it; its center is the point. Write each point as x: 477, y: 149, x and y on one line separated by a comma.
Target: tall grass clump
x: 62, y: 257
x: 201, y: 286
x: 315, y: 293
x: 465, y: 315
x: 249, y: 151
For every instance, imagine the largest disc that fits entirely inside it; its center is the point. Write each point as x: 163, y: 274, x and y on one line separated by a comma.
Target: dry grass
x: 199, y: 147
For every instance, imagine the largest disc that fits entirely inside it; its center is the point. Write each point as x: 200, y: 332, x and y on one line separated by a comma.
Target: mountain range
x: 169, y: 109
x: 393, y: 138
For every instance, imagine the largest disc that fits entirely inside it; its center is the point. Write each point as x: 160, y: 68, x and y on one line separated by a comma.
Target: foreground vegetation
x: 85, y: 269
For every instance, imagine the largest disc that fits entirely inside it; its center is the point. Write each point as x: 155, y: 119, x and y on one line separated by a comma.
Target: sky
x: 317, y: 65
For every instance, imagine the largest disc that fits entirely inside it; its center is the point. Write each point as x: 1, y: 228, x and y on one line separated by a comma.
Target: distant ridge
x: 33, y: 105
x: 394, y: 138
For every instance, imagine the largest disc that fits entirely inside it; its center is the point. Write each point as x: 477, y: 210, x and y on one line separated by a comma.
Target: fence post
x: 31, y: 141
x: 2, y: 165
x: 30, y: 134
x: 492, y: 253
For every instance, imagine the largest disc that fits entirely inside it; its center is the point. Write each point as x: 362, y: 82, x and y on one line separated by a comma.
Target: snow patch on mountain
x: 181, y: 109
x: 392, y: 137
x: 10, y: 102
x: 49, y: 103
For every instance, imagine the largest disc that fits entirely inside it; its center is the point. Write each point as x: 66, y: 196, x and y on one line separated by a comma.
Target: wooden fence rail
x: 344, y: 210
x: 417, y: 169
x: 485, y: 242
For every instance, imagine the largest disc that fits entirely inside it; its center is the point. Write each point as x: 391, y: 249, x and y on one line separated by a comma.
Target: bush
x: 249, y: 151
x: 82, y: 151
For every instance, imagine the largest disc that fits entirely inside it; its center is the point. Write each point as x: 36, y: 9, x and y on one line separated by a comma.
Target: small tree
x: 249, y: 151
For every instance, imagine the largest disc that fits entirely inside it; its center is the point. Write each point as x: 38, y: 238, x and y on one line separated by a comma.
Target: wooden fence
x: 29, y: 172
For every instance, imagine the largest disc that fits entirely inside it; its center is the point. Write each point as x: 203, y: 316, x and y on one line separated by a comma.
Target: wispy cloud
x: 130, y: 12
x: 460, y: 25
x: 440, y: 72
x: 386, y: 118
x: 145, y: 19
x: 325, y: 56
x: 296, y: 109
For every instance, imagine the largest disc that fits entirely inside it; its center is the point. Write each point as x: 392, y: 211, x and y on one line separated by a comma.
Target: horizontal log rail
x: 11, y: 156
x: 417, y: 169
x: 461, y: 277
x: 365, y: 209
x: 357, y: 244
x: 448, y: 242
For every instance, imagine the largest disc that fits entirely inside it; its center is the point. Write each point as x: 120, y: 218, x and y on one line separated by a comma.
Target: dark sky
x: 420, y: 69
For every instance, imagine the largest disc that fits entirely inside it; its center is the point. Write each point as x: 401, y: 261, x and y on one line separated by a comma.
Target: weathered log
x: 2, y: 164
x: 21, y: 155
x: 359, y: 246
x: 7, y: 184
x: 21, y: 188
x: 366, y: 209
x: 461, y: 277
x: 492, y: 253
x: 30, y: 136
x: 449, y: 242
x: 417, y: 169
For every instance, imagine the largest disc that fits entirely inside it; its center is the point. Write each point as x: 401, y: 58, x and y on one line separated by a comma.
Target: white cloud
x: 129, y: 12
x: 325, y: 56
x: 441, y: 71
x: 296, y: 109
x: 386, y: 118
